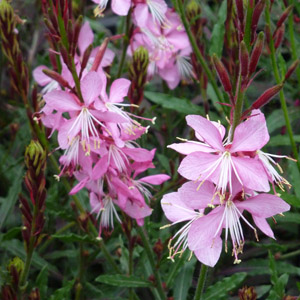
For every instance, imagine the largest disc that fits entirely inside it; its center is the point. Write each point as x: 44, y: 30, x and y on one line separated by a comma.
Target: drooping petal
x: 120, y: 7
x: 210, y: 255
x: 85, y: 38
x: 119, y: 90
x: 252, y: 173
x: 189, y: 147
x: 136, y: 211
x: 91, y: 87
x: 40, y: 77
x: 204, y: 230
x: 100, y: 168
x: 62, y: 101
x: 207, y: 131
x: 198, y: 198
x: 264, y: 205
x: 264, y: 226
x: 250, y: 135
x: 195, y: 164
x: 175, y: 209
x: 155, y: 179
x: 79, y: 186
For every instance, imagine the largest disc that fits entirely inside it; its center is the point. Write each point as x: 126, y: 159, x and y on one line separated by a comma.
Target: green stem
x: 149, y: 253
x: 197, y: 52
x: 289, y: 255
x: 30, y: 249
x: 281, y: 93
x: 79, y: 286
x: 126, y: 40
x: 247, y: 34
x: 293, y: 41
x: 201, y: 282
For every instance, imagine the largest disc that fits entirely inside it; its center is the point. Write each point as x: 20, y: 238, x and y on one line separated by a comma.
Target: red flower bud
x: 259, y: 7
x: 291, y: 69
x: 267, y: 96
x: 279, y: 36
x: 100, y: 55
x: 284, y: 15
x: 240, y: 10
x: 223, y: 74
x: 57, y: 77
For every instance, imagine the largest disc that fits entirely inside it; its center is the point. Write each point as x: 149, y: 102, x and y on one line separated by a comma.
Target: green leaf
x: 72, y: 237
x: 11, y: 233
x: 217, y: 36
x: 282, y: 140
x: 181, y: 105
x: 42, y: 282
x: 123, y: 281
x: 261, y: 290
x: 289, y: 217
x: 164, y: 161
x: 294, y: 177
x: 184, y: 279
x: 64, y: 292
x: 290, y: 199
x: 213, y: 97
x: 9, y: 202
x: 275, y: 120
x: 224, y: 286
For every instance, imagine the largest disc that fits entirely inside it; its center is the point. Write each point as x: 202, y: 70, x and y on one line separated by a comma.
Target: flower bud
x: 259, y: 7
x: 291, y: 69
x: 256, y: 52
x: 247, y: 293
x: 279, y: 36
x: 267, y: 96
x: 57, y: 77
x: 284, y: 16
x: 240, y: 10
x: 35, y: 157
x: 222, y: 73
x: 99, y: 55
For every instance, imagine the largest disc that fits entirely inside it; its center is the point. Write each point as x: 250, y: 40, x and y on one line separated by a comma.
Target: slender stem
x: 291, y: 254
x: 197, y: 52
x: 126, y: 40
x: 79, y: 286
x: 281, y: 93
x: 149, y: 253
x: 201, y: 282
x: 247, y: 35
x: 293, y: 41
x: 30, y: 249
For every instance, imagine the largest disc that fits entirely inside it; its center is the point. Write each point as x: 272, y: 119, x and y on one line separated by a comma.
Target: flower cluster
x: 226, y: 176
x: 98, y: 135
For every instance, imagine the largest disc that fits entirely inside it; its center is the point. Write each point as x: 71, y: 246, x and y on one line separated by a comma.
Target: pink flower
x: 119, y: 7
x: 222, y: 161
x: 204, y: 234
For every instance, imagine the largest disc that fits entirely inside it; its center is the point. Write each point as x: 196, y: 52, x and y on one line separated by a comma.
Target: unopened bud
x: 193, y: 10
x: 284, y: 15
x: 267, y: 96
x: 259, y: 7
x: 247, y: 293
x: 35, y: 157
x: 222, y: 73
x: 16, y: 263
x: 86, y: 56
x: 291, y: 69
x: 256, y: 52
x: 279, y: 36
x: 240, y: 10
x: 57, y: 77
x: 99, y: 55
x: 244, y: 59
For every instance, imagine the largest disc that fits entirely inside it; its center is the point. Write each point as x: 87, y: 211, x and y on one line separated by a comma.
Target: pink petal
x: 107, y: 58
x: 85, y: 38
x: 251, y: 173
x: 119, y: 90
x: 189, y: 147
x: 263, y: 225
x: 195, y: 164
x: 100, y: 168
x: 264, y: 205
x: 62, y: 101
x: 94, y: 201
x: 210, y: 255
x: 141, y: 14
x: 40, y: 77
x: 204, y: 230
x: 175, y: 209
x: 155, y: 179
x: 137, y: 212
x: 91, y: 86
x: 79, y: 186
x: 138, y: 154
x: 207, y: 131
x: 198, y: 199
x: 108, y: 116
x: 250, y: 135
x: 120, y: 7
